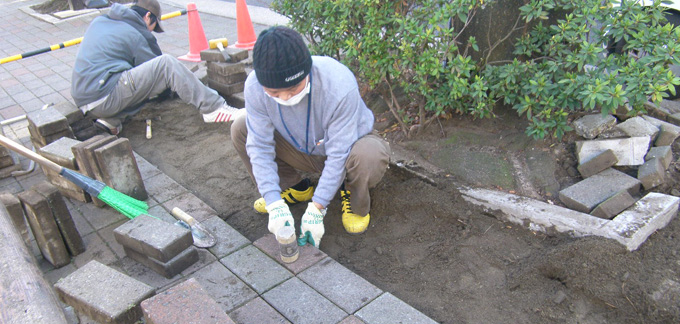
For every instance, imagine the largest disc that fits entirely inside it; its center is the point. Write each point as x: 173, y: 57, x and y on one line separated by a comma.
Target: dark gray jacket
x: 112, y: 44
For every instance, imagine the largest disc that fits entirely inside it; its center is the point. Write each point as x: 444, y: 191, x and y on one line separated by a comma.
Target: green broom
x: 126, y: 205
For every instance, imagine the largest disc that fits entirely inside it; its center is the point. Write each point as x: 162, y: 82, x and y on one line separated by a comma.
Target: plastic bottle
x: 288, y: 247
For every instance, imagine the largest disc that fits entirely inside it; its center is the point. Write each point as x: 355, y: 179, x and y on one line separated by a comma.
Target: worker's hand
x: 279, y: 216
x: 311, y: 229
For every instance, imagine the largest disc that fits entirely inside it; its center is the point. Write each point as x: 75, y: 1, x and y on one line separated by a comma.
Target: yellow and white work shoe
x: 301, y: 192
x: 353, y: 223
x: 223, y: 114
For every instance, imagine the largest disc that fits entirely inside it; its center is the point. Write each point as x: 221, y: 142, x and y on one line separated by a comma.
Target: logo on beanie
x: 294, y: 76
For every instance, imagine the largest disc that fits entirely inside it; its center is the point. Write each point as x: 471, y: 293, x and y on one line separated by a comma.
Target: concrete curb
x: 258, y: 15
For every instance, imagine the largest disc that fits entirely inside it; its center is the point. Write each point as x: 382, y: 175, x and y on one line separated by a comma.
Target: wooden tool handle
x: 181, y: 215
x: 16, y: 147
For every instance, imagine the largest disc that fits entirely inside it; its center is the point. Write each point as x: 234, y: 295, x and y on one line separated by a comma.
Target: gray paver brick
x: 228, y: 239
x: 257, y: 311
x: 663, y: 153
x: 597, y: 163
x: 388, y: 309
x: 47, y: 122
x: 227, y: 79
x: 668, y: 132
x: 70, y: 111
x: 204, y: 258
x: 256, y: 268
x: 639, y: 127
x: 225, y: 68
x: 651, y: 173
x: 16, y: 213
x: 44, y: 228
x: 299, y: 303
x: 352, y: 320
x: 309, y: 255
x: 186, y: 302
x: 67, y: 228
x: 586, y: 194
x: 162, y: 188
x: 191, y: 205
x: 97, y: 249
x: 227, y: 289
x: 153, y: 238
x: 590, y: 126
x: 119, y: 168
x: 629, y: 151
x: 340, y: 285
x: 167, y: 269
x: 614, y: 205
x: 226, y: 89
x: 104, y: 294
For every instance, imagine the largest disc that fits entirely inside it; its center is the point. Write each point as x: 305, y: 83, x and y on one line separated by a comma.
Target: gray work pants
x: 151, y: 78
x: 365, y: 166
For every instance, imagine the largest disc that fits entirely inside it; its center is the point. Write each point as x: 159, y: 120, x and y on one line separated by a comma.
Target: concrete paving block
x: 87, y: 160
x: 590, y: 126
x: 256, y: 269
x: 66, y: 187
x: 47, y: 121
x: 104, y: 294
x: 663, y: 153
x: 67, y: 228
x: 214, y: 55
x: 597, y: 163
x: 186, y: 302
x: 629, y: 151
x: 44, y: 228
x: 86, y: 133
x: 16, y: 214
x: 191, y: 205
x: 226, y: 89
x: 222, y: 285
x: 60, y: 152
x: 588, y: 193
x: 99, y: 218
x: 153, y: 238
x: 204, y: 258
x: 340, y: 285
x: 237, y: 100
x: 614, y: 205
x: 119, y: 168
x: 257, y: 311
x: 78, y: 151
x: 388, y: 309
x: 228, y: 239
x: 674, y: 119
x: 147, y: 169
x: 639, y: 127
x: 80, y: 125
x: 239, y: 77
x: 309, y: 255
x: 69, y: 110
x: 226, y: 68
x: 649, y: 214
x: 651, y: 173
x: 167, y: 269
x: 352, y: 320
x: 142, y: 273
x: 299, y: 303
x: 97, y: 249
x: 668, y: 132
x: 6, y: 161
x: 162, y: 188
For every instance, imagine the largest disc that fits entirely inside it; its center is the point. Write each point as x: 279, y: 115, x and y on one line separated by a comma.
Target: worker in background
x: 120, y: 65
x: 305, y: 113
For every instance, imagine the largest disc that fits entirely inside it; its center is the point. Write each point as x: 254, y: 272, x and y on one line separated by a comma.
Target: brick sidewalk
x: 245, y: 278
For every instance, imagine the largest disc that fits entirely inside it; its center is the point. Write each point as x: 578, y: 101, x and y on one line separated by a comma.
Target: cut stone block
x: 389, y: 309
x: 639, y: 127
x: 586, y: 194
x: 674, y: 119
x: 597, y: 163
x: 663, y: 153
x: 256, y: 268
x: 668, y: 132
x: 614, y: 205
x: 186, y: 302
x: 629, y: 151
x: 226, y: 89
x: 227, y: 79
x: 104, y: 294
x: 119, y: 168
x: 154, y: 238
x: 225, y: 68
x: 167, y: 269
x: 16, y: 213
x: 67, y: 228
x: 299, y: 303
x: 651, y: 173
x: 47, y: 121
x: 590, y: 126
x: 84, y: 155
x: 40, y: 141
x: 70, y: 111
x: 44, y: 228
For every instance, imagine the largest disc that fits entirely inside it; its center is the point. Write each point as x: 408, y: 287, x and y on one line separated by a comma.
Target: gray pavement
x: 246, y: 278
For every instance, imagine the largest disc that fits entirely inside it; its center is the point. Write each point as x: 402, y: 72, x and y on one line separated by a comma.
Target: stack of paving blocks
x: 228, y: 78
x: 104, y: 294
x: 60, y: 153
x: 8, y: 163
x: 46, y: 126
x: 49, y: 220
x: 163, y: 247
x: 83, y: 128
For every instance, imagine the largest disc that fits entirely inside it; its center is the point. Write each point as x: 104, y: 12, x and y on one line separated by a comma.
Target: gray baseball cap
x: 155, y: 8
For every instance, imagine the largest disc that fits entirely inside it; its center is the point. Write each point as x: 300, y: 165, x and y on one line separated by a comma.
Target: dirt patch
x: 454, y: 262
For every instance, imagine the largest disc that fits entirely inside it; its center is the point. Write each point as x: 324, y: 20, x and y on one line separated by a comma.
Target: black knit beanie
x: 280, y: 58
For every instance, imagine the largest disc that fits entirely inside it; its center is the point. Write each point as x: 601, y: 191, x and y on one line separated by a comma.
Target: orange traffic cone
x: 197, y: 40
x: 244, y: 27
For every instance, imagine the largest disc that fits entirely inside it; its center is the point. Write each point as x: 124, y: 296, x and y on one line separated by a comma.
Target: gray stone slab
x: 256, y: 269
x: 237, y: 100
x: 162, y: 188
x: 60, y: 152
x: 388, y: 309
x: 614, y: 205
x: 651, y: 173
x: 234, y: 54
x: 119, y: 168
x: 100, y: 217
x: 222, y: 285
x: 228, y: 239
x: 629, y: 151
x: 70, y: 111
x: 16, y: 214
x: 597, y: 163
x: 44, y: 228
x: 668, y: 132
x: 104, y: 294
x: 191, y: 205
x: 663, y: 153
x: 340, y: 285
x: 67, y: 227
x: 47, y: 121
x: 309, y: 255
x: 225, y: 68
x: 651, y: 213
x: 588, y: 193
x: 639, y: 127
x: 167, y: 269
x: 153, y: 237
x: 301, y: 304
x: 257, y: 311
x: 227, y: 79
x: 590, y: 126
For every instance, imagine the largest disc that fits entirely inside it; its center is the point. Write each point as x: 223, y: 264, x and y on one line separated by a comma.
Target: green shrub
x: 559, y: 68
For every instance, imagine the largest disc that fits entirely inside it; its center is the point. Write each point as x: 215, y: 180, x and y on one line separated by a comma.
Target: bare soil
x: 454, y: 262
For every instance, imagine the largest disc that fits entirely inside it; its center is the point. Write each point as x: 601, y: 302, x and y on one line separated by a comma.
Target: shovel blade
x: 202, y: 237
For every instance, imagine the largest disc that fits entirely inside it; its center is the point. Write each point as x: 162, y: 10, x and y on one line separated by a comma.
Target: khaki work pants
x: 365, y: 165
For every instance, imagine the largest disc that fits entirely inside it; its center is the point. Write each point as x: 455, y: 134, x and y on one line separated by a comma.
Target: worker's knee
x: 239, y: 132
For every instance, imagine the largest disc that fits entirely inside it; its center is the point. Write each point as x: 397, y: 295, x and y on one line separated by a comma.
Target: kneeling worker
x: 305, y: 113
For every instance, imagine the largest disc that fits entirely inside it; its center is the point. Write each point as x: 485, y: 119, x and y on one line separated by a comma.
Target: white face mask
x: 294, y: 100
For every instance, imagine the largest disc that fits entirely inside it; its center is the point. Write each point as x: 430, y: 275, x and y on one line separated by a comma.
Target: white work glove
x: 279, y: 216
x: 311, y: 229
